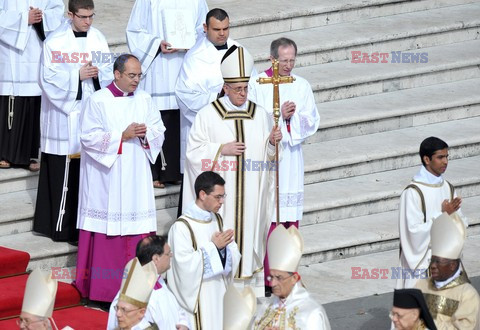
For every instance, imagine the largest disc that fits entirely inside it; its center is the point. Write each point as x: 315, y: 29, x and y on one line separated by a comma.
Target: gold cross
x: 276, y: 79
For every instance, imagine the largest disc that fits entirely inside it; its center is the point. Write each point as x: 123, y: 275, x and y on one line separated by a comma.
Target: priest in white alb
x: 232, y: 136
x: 205, y: 256
x: 69, y: 74
x: 159, y: 33
x: 121, y: 134
x: 426, y: 197
x: 299, y: 120
x: 24, y: 25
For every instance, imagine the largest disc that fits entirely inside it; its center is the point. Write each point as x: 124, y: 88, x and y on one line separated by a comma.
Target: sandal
x: 34, y: 166
x: 5, y: 164
x: 158, y: 184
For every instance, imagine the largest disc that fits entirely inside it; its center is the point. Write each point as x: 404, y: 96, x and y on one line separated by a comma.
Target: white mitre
x: 447, y: 236
x: 285, y: 248
x: 138, y: 284
x: 238, y: 308
x: 40, y: 292
x: 236, y: 65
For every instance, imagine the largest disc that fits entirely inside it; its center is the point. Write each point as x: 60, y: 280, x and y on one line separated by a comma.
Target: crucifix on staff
x: 276, y: 80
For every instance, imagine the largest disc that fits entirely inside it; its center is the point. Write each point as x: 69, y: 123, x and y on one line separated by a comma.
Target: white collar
x: 425, y: 176
x: 441, y: 284
x: 195, y: 212
x: 229, y: 105
x: 121, y: 90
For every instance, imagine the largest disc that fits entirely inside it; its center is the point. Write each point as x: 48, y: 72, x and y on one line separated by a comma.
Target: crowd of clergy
x: 186, y: 106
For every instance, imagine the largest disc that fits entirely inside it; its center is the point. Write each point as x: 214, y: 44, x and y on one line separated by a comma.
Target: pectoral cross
x: 276, y: 80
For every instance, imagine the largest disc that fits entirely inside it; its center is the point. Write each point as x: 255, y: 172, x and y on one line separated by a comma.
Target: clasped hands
x: 134, y: 130
x: 223, y: 238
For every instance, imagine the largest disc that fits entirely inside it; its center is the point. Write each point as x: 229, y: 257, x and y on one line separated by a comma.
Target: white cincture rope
x: 64, y: 195
x: 11, y: 104
x: 162, y: 157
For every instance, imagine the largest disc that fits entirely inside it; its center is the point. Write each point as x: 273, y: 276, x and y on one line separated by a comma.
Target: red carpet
x: 12, y: 262
x: 12, y: 289
x: 76, y: 317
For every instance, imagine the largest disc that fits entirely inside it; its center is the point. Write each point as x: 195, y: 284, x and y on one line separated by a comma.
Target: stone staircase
x: 373, y: 117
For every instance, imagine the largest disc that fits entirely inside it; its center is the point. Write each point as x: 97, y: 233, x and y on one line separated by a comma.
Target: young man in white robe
x: 291, y: 306
x: 163, y: 309
x: 23, y: 27
x: 427, y: 196
x: 299, y: 120
x: 453, y: 302
x: 161, y: 64
x: 134, y: 296
x: 68, y: 75
x: 121, y: 134
x: 205, y: 256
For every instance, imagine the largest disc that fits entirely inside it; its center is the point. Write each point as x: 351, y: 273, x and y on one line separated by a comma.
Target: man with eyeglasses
x: 426, y: 197
x: 67, y: 78
x: 121, y: 135
x: 410, y: 311
x: 163, y: 308
x: 453, y: 302
x: 205, y: 255
x: 23, y: 28
x: 38, y: 301
x: 291, y: 306
x: 134, y: 296
x: 232, y: 136
x: 148, y: 39
x: 299, y: 119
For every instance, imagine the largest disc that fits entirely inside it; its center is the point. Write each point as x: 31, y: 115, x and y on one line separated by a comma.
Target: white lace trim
x: 104, y: 215
x: 291, y: 200
x: 106, y: 139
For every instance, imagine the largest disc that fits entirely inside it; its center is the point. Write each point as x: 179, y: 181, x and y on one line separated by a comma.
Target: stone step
x: 378, y: 192
x: 408, y: 31
x: 343, y: 79
x: 261, y: 19
x: 399, y: 109
x: 366, y: 154
x: 366, y: 234
x: 324, y: 161
x: 337, y: 284
x: 254, y: 18
x: 17, y: 179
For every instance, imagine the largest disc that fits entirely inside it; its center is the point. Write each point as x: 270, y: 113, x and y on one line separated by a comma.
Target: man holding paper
x: 159, y: 33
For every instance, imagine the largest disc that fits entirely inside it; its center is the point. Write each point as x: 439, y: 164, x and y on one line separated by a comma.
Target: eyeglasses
x: 84, y: 18
x: 393, y: 315
x: 440, y: 262
x: 239, y: 90
x: 123, y: 310
x: 220, y: 197
x: 26, y: 323
x: 278, y: 278
x: 170, y: 254
x: 133, y: 75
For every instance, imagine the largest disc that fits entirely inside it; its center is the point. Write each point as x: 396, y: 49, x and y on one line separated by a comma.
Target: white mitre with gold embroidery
x: 40, y: 293
x: 236, y: 65
x: 285, y: 248
x: 238, y: 308
x: 448, y: 236
x: 138, y: 285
